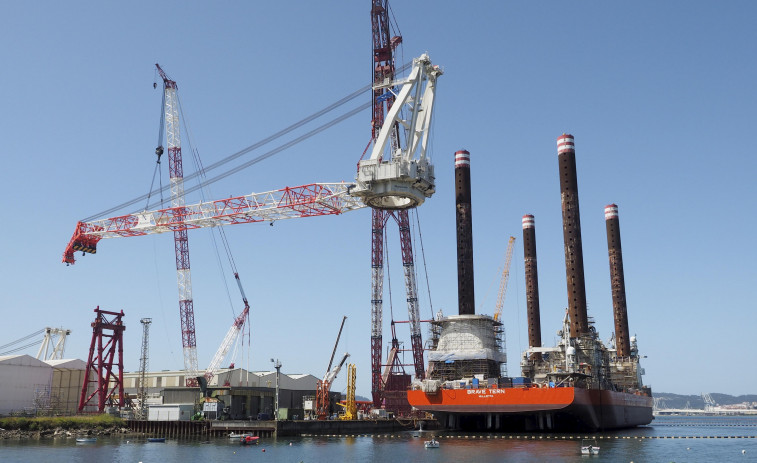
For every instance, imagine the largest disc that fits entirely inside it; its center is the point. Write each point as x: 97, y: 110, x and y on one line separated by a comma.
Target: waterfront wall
x: 269, y: 428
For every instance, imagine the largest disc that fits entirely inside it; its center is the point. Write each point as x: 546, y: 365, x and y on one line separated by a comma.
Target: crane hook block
x: 159, y: 151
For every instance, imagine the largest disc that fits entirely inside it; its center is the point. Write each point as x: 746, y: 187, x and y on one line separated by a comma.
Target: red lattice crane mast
x: 391, y: 203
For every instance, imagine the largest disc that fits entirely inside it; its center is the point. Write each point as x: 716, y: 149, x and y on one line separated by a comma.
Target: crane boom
x: 228, y: 341
x: 180, y: 236
x: 311, y: 200
x: 505, y: 278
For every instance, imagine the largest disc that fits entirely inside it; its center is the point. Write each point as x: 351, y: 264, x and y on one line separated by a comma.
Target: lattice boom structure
x: 310, y: 200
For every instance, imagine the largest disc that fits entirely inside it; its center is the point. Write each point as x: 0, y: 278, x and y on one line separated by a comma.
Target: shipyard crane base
x: 392, y: 192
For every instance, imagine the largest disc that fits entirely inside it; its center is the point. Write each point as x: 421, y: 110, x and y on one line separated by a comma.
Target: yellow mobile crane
x: 350, y: 408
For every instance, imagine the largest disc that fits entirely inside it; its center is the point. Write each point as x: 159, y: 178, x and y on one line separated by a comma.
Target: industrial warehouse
x: 31, y: 387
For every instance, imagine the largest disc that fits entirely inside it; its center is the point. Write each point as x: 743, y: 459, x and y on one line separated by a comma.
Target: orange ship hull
x: 534, y: 408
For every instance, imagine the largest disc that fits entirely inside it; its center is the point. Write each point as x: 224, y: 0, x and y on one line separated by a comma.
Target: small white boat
x: 83, y: 440
x: 589, y: 448
x: 237, y: 435
x: 431, y: 444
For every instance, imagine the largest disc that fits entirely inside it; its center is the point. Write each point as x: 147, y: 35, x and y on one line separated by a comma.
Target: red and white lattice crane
x: 395, y: 182
x: 231, y: 336
x: 180, y: 237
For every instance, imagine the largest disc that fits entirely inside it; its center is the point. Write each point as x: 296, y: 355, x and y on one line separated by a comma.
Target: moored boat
x: 431, y: 444
x: 589, y: 447
x: 580, y: 384
x: 249, y: 440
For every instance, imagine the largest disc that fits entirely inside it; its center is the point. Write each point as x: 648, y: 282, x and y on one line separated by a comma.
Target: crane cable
x: 257, y: 145
x: 204, y: 187
x: 158, y: 152
x: 17, y: 341
x: 425, y: 267
x: 29, y: 336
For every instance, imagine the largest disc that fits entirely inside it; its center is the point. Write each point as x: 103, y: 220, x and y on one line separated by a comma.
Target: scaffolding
x: 469, y: 347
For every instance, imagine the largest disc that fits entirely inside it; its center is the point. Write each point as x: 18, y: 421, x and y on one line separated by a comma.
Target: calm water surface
x: 668, y: 439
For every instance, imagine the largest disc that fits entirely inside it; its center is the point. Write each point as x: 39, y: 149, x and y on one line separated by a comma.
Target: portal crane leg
x: 411, y: 290
x: 378, y: 222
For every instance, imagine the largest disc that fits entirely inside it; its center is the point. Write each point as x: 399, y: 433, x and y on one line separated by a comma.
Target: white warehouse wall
x: 21, y: 378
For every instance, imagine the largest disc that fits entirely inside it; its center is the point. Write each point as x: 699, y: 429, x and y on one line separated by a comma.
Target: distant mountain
x: 670, y: 400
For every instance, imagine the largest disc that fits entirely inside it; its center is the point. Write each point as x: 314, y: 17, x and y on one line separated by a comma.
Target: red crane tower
x: 384, y: 98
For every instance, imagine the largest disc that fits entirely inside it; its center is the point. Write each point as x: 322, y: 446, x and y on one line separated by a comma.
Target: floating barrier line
x: 522, y: 437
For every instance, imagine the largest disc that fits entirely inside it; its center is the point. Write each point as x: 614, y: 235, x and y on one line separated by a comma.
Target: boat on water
x: 589, y: 447
x: 581, y: 384
x: 156, y: 439
x: 534, y: 409
x: 431, y: 444
x: 249, y: 440
x: 85, y: 440
x: 559, y: 394
x: 238, y: 435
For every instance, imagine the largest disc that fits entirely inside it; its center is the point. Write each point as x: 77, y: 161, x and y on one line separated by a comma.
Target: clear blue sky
x: 660, y: 97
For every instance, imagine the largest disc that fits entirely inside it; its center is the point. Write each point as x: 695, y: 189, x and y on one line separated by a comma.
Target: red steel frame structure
x: 100, y: 362
x: 383, y: 72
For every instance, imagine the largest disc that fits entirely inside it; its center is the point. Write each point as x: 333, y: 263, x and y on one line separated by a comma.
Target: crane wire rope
x: 20, y: 348
x: 257, y: 145
x: 158, y: 151
x: 388, y: 273
x: 205, y: 188
x: 28, y: 336
x: 425, y: 267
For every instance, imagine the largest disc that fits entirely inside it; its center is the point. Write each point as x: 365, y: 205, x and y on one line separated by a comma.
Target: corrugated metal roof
x: 67, y: 364
x: 23, y: 360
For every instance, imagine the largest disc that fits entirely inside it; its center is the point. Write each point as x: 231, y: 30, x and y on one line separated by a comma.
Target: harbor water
x: 667, y: 439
